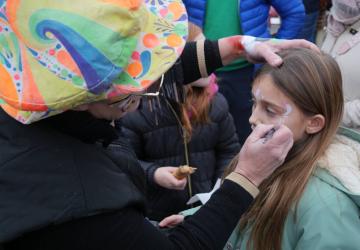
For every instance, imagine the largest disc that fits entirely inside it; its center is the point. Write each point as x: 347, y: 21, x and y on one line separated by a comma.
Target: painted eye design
x: 270, y: 111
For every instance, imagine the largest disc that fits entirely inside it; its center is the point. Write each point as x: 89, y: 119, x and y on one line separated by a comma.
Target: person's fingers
x: 282, y: 136
x: 182, y: 184
x: 171, y: 220
x: 260, y: 131
x: 281, y: 150
x: 269, y: 54
x: 179, y: 184
x: 280, y: 143
x: 297, y: 43
x: 167, y: 221
x: 289, y: 145
x: 171, y: 169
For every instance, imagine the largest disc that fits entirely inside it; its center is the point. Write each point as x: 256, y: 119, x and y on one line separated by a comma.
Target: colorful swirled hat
x: 56, y: 55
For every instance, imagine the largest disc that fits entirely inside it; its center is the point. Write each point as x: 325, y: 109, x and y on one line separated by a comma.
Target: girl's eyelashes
x: 270, y: 111
x: 266, y: 108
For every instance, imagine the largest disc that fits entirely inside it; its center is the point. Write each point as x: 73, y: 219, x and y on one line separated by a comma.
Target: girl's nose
x: 254, y: 118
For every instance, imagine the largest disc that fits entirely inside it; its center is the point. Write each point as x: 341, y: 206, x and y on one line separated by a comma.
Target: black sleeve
x: 128, y: 127
x: 209, y: 228
x: 189, y: 60
x: 82, y: 125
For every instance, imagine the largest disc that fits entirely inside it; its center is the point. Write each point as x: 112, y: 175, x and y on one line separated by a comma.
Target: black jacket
x: 63, y: 192
x: 52, y: 172
x: 158, y: 142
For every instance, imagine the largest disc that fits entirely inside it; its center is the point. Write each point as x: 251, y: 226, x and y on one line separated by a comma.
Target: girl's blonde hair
x: 313, y: 82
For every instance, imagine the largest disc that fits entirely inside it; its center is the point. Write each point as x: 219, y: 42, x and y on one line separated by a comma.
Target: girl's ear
x: 315, y: 124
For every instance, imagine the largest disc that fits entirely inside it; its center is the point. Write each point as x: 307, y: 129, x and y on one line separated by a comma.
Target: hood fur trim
x: 342, y: 160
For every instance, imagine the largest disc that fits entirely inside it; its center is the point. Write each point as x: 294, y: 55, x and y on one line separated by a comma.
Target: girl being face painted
x: 290, y: 95
x: 272, y: 106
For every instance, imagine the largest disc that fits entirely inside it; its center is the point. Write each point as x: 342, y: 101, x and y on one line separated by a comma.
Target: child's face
x: 271, y: 106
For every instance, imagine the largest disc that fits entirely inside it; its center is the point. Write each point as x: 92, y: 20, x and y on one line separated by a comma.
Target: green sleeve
x: 190, y: 211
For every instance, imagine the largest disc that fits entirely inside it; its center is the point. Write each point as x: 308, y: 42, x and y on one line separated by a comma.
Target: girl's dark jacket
x: 157, y: 140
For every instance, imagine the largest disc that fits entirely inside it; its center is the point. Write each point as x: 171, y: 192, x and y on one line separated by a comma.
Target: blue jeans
x: 308, y: 31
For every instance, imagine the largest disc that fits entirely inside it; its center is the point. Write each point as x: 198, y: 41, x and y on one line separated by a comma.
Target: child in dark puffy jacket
x: 199, y: 133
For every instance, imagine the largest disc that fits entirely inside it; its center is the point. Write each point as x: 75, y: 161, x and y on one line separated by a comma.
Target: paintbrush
x: 269, y: 134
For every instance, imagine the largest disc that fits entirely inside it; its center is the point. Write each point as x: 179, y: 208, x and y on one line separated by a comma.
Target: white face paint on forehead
x: 288, y: 109
x: 258, y: 93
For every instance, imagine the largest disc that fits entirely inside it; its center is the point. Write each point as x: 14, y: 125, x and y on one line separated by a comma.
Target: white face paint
x: 258, y: 94
x: 288, y: 109
x: 280, y: 115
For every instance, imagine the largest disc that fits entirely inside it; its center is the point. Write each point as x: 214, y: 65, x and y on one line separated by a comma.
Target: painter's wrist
x: 255, y: 180
x: 244, y: 182
x: 249, y: 43
x: 231, y: 49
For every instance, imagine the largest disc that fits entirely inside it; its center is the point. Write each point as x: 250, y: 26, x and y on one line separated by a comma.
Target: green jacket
x: 328, y: 213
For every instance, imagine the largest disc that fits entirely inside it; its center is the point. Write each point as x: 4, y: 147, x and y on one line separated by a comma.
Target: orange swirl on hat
x: 10, y: 110
x: 129, y: 4
x: 30, y: 91
x: 11, y: 10
x: 65, y: 59
x: 8, y: 91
